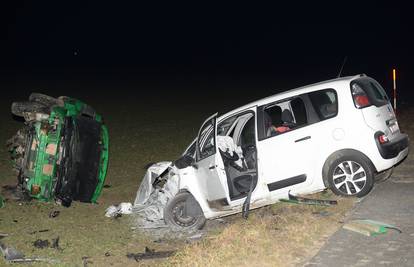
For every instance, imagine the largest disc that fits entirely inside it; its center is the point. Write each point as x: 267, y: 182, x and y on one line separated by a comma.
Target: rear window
x: 324, y: 103
x: 372, y: 89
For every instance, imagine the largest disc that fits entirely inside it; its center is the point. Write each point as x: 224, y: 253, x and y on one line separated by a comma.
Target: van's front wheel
x: 184, y: 212
x: 350, y: 175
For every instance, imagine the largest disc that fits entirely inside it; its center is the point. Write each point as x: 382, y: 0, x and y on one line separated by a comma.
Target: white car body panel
x: 302, y: 151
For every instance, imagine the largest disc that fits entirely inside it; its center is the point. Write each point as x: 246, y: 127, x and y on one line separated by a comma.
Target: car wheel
x: 350, y: 175
x: 43, y: 99
x: 175, y: 213
x: 19, y: 108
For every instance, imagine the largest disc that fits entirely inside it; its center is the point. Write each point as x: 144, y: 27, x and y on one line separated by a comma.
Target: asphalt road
x: 391, y: 202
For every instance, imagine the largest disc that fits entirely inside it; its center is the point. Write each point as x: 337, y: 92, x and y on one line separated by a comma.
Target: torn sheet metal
x: 10, y: 253
x: 160, y: 184
x: 153, y: 172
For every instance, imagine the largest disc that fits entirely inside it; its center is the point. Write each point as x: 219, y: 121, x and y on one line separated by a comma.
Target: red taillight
x: 382, y: 139
x: 361, y: 101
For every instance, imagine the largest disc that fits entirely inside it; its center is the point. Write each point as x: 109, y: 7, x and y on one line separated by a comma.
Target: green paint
x: 41, y: 166
x: 103, y: 163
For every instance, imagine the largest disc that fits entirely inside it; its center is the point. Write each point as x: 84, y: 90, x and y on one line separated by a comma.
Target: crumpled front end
x: 159, y: 185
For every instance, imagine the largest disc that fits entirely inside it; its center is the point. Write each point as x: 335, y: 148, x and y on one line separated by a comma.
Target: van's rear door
x: 375, y: 106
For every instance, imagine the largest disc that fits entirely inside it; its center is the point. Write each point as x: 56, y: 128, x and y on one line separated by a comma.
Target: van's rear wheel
x: 350, y: 174
x: 176, y: 215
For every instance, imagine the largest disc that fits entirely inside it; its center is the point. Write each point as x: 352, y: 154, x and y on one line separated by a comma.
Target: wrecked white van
x: 338, y: 134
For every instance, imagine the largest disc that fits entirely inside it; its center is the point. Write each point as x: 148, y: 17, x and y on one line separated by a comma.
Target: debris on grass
x: 117, y: 211
x: 55, y: 243
x: 196, y: 236
x: 369, y: 227
x: 150, y: 254
x: 10, y: 253
x: 303, y: 200
x: 86, y: 261
x: 40, y: 231
x: 39, y: 243
x: 54, y: 213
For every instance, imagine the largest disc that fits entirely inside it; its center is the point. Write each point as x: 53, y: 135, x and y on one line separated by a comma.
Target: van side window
x: 284, y: 116
x: 296, y: 112
x: 325, y: 103
x: 299, y: 110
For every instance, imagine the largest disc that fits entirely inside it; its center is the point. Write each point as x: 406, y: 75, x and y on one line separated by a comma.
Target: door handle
x: 303, y: 138
x: 212, y: 167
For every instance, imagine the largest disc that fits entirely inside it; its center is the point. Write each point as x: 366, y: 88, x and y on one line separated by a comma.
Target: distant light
x: 394, y: 76
x: 75, y: 53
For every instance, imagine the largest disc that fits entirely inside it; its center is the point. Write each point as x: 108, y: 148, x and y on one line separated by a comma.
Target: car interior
x: 241, y: 168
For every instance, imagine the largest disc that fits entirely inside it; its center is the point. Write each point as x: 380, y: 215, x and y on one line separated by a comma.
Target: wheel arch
x: 338, y: 154
x: 198, y: 197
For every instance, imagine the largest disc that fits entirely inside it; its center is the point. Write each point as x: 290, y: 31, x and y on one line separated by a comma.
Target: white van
x: 338, y: 134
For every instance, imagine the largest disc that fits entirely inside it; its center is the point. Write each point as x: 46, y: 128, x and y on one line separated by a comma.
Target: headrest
x: 287, y: 116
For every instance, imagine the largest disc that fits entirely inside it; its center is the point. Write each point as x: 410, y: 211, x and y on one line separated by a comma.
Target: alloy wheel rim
x: 349, y: 177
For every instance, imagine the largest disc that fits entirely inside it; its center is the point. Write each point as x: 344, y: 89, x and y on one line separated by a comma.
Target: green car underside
x: 42, y: 175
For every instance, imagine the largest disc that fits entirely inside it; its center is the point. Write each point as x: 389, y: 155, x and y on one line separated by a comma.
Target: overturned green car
x: 62, y: 151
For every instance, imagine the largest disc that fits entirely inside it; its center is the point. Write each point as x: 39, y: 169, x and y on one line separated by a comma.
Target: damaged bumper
x: 159, y: 186
x: 62, y: 151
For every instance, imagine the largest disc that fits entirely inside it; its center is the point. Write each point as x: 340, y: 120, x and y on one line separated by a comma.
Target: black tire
x: 19, y: 108
x: 43, y: 99
x: 349, y: 173
x: 173, y: 213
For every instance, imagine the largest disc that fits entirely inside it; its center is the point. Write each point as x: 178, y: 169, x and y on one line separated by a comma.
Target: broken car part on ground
x: 61, y: 152
x: 340, y: 134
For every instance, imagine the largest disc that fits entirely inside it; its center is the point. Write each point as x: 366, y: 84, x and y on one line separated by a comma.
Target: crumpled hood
x: 146, y: 188
x: 151, y: 200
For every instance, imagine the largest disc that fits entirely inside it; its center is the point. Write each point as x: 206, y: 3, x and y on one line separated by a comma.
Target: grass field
x: 143, y: 131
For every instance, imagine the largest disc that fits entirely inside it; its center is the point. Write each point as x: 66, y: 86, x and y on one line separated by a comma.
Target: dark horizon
x: 141, y: 50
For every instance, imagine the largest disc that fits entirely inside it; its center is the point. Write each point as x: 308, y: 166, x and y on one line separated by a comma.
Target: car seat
x: 287, y: 118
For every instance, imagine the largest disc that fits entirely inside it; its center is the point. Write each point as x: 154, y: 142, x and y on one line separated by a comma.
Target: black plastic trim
x: 287, y: 182
x: 391, y: 149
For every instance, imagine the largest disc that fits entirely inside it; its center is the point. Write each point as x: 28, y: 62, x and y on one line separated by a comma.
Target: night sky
x: 127, y: 46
